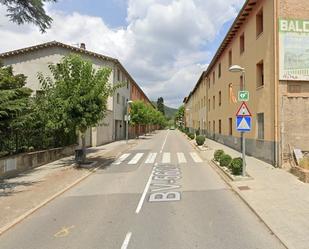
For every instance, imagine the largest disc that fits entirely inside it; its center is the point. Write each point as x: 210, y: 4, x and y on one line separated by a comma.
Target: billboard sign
x: 293, y: 49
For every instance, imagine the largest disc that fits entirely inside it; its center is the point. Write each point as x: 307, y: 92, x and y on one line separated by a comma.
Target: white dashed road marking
x: 151, y: 158
x: 126, y: 241
x: 136, y: 158
x: 121, y: 159
x: 181, y: 157
x: 195, y: 157
x: 166, y: 157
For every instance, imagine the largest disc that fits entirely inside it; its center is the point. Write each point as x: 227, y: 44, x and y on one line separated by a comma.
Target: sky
x: 164, y: 44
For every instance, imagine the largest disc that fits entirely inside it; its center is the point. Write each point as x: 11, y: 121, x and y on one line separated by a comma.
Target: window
x: 260, y: 74
x: 230, y: 58
x: 209, y: 126
x: 260, y: 125
x: 241, y: 82
x: 220, y: 126
x: 209, y: 105
x: 213, y: 102
x: 219, y: 98
x: 230, y: 126
x: 242, y: 43
x: 219, y: 70
x: 118, y: 98
x: 294, y: 88
x: 214, y: 127
x: 127, y: 84
x: 118, y: 74
x: 213, y: 77
x: 259, y: 23
x: 208, y: 82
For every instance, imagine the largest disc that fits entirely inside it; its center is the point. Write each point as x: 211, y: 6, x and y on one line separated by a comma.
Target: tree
x: 160, y: 105
x: 14, y: 106
x: 138, y: 114
x: 76, y: 97
x: 28, y: 11
x: 179, y: 117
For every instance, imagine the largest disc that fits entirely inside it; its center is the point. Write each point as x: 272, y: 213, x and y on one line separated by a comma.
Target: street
x: 160, y: 194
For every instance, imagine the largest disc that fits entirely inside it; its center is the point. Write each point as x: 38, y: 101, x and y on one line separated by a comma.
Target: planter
x: 228, y: 173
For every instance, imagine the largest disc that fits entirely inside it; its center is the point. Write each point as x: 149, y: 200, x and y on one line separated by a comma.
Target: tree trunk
x: 139, y: 130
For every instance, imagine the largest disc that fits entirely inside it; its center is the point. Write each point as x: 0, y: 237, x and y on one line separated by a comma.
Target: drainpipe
x: 276, y: 56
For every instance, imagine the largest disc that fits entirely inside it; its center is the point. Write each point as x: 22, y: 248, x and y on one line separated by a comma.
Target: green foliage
x: 143, y: 114
x: 23, y: 119
x: 76, y: 97
x: 236, y: 166
x: 160, y: 105
x: 225, y: 160
x: 197, y: 132
x: 30, y: 11
x: 200, y: 140
x: 191, y: 135
x: 179, y: 116
x: 218, y: 154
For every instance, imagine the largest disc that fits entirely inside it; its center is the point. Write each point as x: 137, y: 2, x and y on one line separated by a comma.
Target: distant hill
x: 169, y: 111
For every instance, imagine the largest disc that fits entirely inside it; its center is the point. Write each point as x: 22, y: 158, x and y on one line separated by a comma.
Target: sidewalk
x: 278, y: 197
x: 27, y: 192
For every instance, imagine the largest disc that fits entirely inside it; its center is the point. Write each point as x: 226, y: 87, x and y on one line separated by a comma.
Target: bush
x: 218, y: 154
x: 200, y: 140
x: 197, y: 132
x: 304, y: 163
x: 225, y: 160
x: 191, y: 135
x: 236, y: 166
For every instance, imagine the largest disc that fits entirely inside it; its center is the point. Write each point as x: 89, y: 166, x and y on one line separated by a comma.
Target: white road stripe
x: 195, y: 157
x: 122, y: 158
x: 126, y: 241
x: 166, y: 157
x: 164, y: 142
x: 141, y: 201
x: 181, y: 157
x: 151, y: 158
x: 136, y: 158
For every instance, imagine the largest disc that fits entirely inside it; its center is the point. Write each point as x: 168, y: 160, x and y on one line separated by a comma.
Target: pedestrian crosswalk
x: 164, y: 158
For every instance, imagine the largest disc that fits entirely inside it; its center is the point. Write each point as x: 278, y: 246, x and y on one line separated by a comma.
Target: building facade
x: 264, y: 42
x: 32, y: 60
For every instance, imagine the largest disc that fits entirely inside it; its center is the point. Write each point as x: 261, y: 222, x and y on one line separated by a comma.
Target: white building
x: 32, y: 60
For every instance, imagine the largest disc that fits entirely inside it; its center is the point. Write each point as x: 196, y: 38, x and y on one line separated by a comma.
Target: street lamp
x: 127, y: 119
x: 239, y: 69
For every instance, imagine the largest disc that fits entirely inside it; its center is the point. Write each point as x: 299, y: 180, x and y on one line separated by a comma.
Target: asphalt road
x: 161, y: 194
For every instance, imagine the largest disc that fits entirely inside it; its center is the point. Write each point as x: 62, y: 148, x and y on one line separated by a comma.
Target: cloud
x: 163, y: 46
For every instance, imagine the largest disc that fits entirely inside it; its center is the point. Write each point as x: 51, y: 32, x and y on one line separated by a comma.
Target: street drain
x: 244, y: 188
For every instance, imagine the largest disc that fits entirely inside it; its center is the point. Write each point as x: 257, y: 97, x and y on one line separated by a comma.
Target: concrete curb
x: 48, y: 200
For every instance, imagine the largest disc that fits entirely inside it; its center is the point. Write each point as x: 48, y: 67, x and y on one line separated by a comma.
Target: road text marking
x: 136, y: 158
x: 126, y: 241
x: 65, y: 231
x: 195, y: 157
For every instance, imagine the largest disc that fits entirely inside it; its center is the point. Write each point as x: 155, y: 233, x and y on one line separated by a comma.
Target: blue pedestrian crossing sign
x: 243, y: 123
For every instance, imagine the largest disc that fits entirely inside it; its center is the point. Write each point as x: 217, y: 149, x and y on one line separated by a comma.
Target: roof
x: 239, y: 20
x: 74, y: 49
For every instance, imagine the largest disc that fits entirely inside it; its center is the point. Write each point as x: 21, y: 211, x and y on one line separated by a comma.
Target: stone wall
x: 13, y: 165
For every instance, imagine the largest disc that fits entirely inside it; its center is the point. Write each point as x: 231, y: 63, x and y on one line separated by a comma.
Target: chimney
x: 83, y: 46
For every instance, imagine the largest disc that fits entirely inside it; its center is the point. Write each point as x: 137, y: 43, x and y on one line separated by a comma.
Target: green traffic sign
x: 243, y: 96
